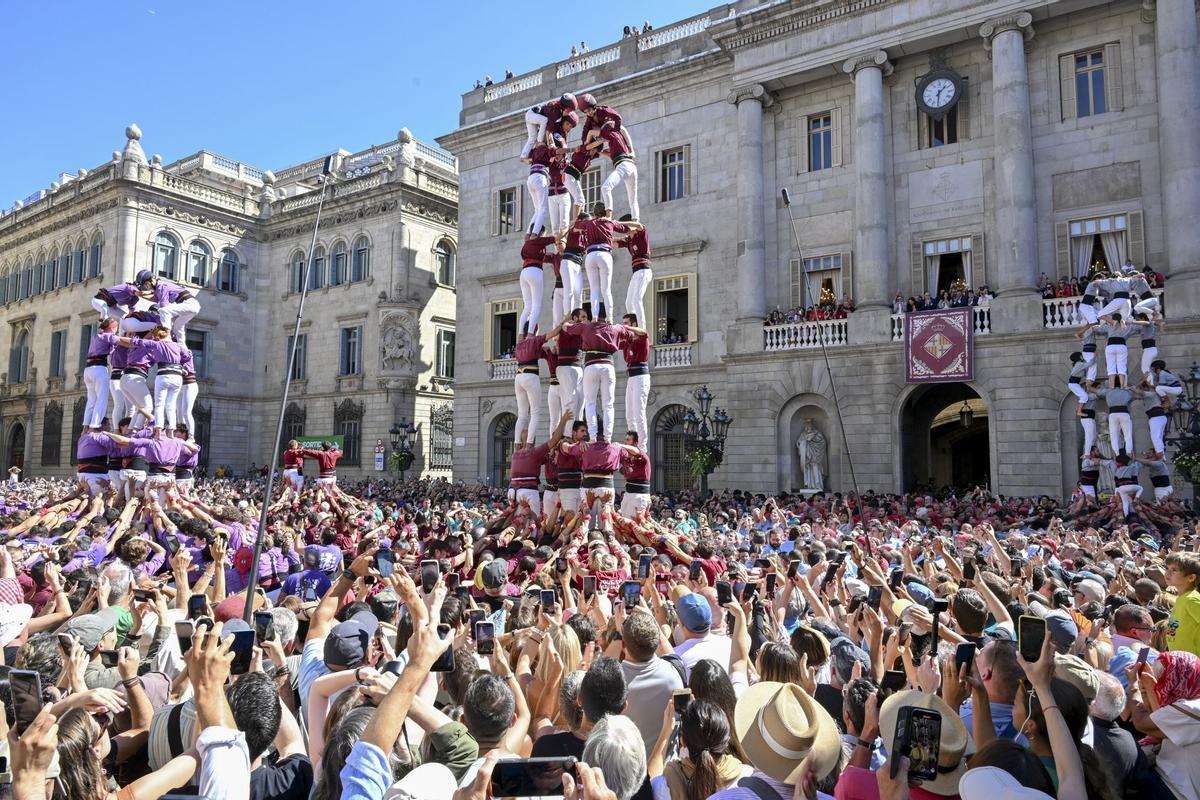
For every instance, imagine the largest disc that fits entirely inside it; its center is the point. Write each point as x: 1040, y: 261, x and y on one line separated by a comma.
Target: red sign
x: 939, y: 346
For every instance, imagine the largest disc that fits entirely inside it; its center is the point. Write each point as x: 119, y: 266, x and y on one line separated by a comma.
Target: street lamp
x: 965, y: 415
x: 705, y: 434
x: 400, y: 433
x: 1185, y: 419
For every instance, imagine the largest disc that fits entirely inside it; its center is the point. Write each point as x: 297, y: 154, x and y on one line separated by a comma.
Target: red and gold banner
x: 939, y: 346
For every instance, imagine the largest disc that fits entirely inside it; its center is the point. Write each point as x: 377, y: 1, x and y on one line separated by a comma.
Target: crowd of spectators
x: 814, y: 313
x: 1076, y: 287
x: 958, y: 297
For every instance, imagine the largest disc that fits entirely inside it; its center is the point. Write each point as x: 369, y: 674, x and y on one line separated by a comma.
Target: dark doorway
x: 944, y: 438
x: 16, y: 447
x: 951, y: 274
x: 503, y: 429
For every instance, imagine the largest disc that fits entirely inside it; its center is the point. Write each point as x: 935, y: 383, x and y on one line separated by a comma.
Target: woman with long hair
x: 709, y: 681
x: 340, y: 742
x: 87, y: 755
x: 1028, y: 718
x: 710, y: 765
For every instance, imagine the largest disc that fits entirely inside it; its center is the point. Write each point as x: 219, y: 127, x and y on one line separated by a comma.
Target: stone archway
x: 16, y: 447
x: 500, y: 448
x: 670, y: 470
x: 788, y: 427
x: 936, y: 447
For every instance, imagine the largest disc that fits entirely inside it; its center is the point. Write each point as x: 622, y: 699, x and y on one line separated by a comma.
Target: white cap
x: 430, y: 781
x: 993, y: 783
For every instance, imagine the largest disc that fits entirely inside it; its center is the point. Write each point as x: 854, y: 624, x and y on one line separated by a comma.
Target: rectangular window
x: 673, y: 174
x: 337, y: 268
x: 197, y: 342
x: 824, y: 275
x: 590, y: 183
x: 39, y: 276
x: 504, y: 334
x: 939, y: 132
x: 85, y: 341
x: 507, y: 212
x: 444, y: 367
x: 58, y: 354
x: 350, y: 431
x: 300, y: 365
x: 820, y: 141
x: 1089, y: 83
x: 351, y: 355
x: 675, y: 310
x: 94, y: 261
x: 228, y: 280
x: 316, y: 272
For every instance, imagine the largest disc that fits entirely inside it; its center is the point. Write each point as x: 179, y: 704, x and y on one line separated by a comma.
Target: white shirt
x: 224, y: 764
x: 1179, y: 759
x: 713, y: 646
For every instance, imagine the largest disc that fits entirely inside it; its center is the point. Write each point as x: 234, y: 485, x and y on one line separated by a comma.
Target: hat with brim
x: 784, y: 732
x: 993, y: 783
x: 955, y: 743
x: 431, y: 781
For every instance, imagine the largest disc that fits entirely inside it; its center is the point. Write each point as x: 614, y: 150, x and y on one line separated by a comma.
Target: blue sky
x: 265, y: 82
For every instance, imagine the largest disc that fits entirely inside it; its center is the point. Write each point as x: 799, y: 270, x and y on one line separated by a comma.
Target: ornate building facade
x: 927, y: 145
x: 378, y: 334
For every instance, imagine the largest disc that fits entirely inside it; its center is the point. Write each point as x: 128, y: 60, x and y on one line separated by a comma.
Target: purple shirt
x: 102, y: 344
x: 93, y: 446
x: 118, y: 358
x: 166, y: 292
x: 161, y: 450
x: 147, y: 351
x: 125, y: 294
x: 90, y: 557
x: 188, y: 460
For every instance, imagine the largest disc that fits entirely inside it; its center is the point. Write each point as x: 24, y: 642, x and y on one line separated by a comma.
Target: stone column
x: 1015, y: 228
x: 124, y: 265
x: 873, y: 278
x: 751, y: 237
x: 1175, y: 42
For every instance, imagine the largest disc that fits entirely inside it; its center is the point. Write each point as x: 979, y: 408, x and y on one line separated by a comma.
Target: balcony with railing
x: 667, y: 356
x: 215, y: 163
x: 805, y: 335
x: 1063, y: 312
x: 503, y: 369
x: 981, y: 317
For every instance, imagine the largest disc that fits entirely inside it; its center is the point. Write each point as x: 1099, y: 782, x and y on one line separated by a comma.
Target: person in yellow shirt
x: 1183, y: 627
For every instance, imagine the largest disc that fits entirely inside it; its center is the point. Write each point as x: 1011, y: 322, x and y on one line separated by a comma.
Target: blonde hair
x: 566, y: 642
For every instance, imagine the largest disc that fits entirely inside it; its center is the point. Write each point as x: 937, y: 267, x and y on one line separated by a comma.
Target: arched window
x: 293, y: 424
x: 198, y: 258
x: 4, y: 285
x: 40, y: 272
x: 228, y: 280
x: 444, y: 257
x: 18, y: 358
x: 337, y: 265
x: 503, y: 430
x: 52, y: 434
x: 347, y: 423
x: 166, y: 255
x: 670, y: 451
x: 81, y: 249
x: 298, y: 272
x: 26, y: 279
x: 316, y: 272
x: 94, y: 262
x: 362, y: 258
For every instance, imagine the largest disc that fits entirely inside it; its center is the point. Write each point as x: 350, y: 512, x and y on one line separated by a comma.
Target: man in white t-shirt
x: 695, y: 618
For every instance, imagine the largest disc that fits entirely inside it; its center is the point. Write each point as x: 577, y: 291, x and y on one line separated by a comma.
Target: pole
x: 787, y: 202
x: 247, y: 614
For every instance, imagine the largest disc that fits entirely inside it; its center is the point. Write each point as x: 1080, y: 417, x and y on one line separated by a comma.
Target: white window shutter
x: 964, y: 112
x: 1113, y: 85
x: 1062, y: 249
x: 835, y: 137
x: 797, y: 268
x: 488, y: 323
x: 1137, y: 239
x: 693, y: 290
x: 847, y: 274
x: 1066, y: 82
x: 918, y: 268
x: 687, y: 170
x: 495, y: 213
x: 978, y: 275
x: 802, y: 150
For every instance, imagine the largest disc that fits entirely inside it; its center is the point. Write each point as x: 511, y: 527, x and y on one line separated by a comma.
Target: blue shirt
x: 312, y: 666
x: 312, y: 584
x: 366, y: 775
x: 1127, y: 657
x: 1002, y: 715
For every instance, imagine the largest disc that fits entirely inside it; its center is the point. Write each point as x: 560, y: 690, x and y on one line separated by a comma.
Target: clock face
x: 939, y: 93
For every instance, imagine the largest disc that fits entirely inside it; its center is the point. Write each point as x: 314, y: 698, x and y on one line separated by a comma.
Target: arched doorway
x: 503, y: 428
x: 944, y: 438
x: 16, y: 447
x: 670, y: 451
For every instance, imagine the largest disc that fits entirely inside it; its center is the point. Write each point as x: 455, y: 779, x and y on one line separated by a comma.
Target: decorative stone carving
x: 397, y: 352
x: 754, y: 91
x: 1019, y: 21
x: 486, y: 406
x: 64, y: 221
x: 195, y: 219
x: 876, y: 58
x: 408, y: 149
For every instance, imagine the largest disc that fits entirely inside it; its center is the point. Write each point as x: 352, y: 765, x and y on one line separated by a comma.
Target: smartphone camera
x: 485, y: 638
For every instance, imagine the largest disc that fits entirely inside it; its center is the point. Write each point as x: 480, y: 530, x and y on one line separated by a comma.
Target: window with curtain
x: 337, y: 264
x: 1099, y: 243
x: 362, y: 257
x: 198, y: 259
x: 316, y: 271
x: 166, y: 253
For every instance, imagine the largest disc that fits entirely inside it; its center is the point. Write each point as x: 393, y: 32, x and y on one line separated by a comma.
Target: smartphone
x: 856, y: 602
x: 772, y: 579
x: 631, y: 594
x: 681, y: 698
x: 445, y: 662
x: 694, y: 571
x: 905, y: 633
x: 1031, y: 632
x: 1017, y: 564
x: 793, y: 568
x: 968, y: 570
x: 560, y: 565
x: 746, y: 591
x: 1143, y: 654
x: 262, y: 626
x: 939, y: 606
x: 184, y: 630
x: 893, y: 680
x: 485, y: 638
x: 724, y: 593
x: 243, y: 650
x: 385, y: 562
x: 919, y: 736
x: 547, y: 600
x: 762, y: 563
x: 395, y: 667
x: 894, y: 578
x: 108, y: 658
x: 172, y: 545
x: 964, y: 656
x: 530, y: 777
x: 476, y: 616
x: 65, y: 641
x: 644, y: 561
x: 830, y: 572
x: 874, y: 597
x: 589, y: 586
x: 25, y: 697
x: 143, y: 595
x: 197, y: 606
x: 453, y: 581
x: 430, y: 571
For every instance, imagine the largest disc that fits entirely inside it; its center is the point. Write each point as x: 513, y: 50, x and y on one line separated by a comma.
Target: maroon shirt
x: 635, y: 348
x: 526, y: 465
x: 533, y: 251
x: 603, y: 118
x: 600, y: 231
x: 618, y: 146
x: 326, y: 460
x: 529, y: 349
x: 540, y: 158
x: 638, y: 247
x: 551, y: 358
x: 568, y: 459
x: 576, y: 239
x: 568, y: 347
x: 600, y: 336
x: 555, y: 115
x: 581, y: 159
x: 636, y: 468
x: 557, y: 184
x: 598, y: 456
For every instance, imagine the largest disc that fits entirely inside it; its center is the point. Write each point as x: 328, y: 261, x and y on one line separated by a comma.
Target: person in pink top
x: 527, y: 385
x: 525, y: 469
x: 600, y: 341
x: 599, y: 460
x: 598, y: 263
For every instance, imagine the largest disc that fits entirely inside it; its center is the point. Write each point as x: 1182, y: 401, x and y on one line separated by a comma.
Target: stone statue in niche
x: 811, y: 447
x: 396, y: 345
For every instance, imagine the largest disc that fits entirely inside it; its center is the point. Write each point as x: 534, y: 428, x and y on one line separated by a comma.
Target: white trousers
x: 1089, y: 433
x: 95, y: 378
x: 1078, y: 390
x: 599, y: 379
x: 528, y: 496
x: 1120, y: 432
x: 634, y: 504
x: 574, y: 189
x: 1089, y: 358
x: 166, y: 399
x: 295, y: 477
x: 635, y: 303
x: 137, y: 393
x: 1150, y: 306
x: 560, y: 211
x: 599, y: 500
x: 599, y: 265
x: 1163, y: 492
x: 550, y: 505
x: 538, y: 184
x: 1168, y: 391
x: 572, y: 278
x: 569, y: 500
x: 329, y: 481
x: 637, y: 394
x: 1118, y: 305
x: 531, y: 297
x: 528, y: 388
x: 119, y: 403
x: 1149, y: 354
x: 105, y: 310
x: 1088, y: 489
x: 570, y: 388
x: 554, y: 403
x: 133, y: 481
x: 1158, y: 426
x: 1088, y: 312
x: 132, y: 325
x: 176, y: 316
x: 626, y: 173
x: 1128, y: 494
x: 96, y: 484
x: 535, y: 131
x: 187, y: 403
x: 161, y: 487
x: 1116, y: 360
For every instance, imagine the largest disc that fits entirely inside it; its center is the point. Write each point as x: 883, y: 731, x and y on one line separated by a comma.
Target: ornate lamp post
x: 1185, y: 421
x: 705, y: 435
x: 402, y: 456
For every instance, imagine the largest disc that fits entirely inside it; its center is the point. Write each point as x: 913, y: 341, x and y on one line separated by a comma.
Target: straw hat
x: 955, y: 743
x: 784, y: 732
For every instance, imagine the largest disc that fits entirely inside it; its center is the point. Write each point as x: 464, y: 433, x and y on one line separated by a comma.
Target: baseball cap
x: 232, y: 608
x: 348, y: 642
x: 1091, y: 590
x: 90, y: 629
x: 495, y: 574
x: 695, y: 615
x: 1063, y: 630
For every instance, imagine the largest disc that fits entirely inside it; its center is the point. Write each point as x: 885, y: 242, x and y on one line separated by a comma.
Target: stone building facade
x: 1072, y: 139
x: 379, y: 321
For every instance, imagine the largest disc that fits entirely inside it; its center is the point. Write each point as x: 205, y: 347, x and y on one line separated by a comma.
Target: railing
x: 672, y: 355
x: 512, y: 86
x: 437, y: 154
x: 803, y: 335
x: 588, y: 61
x: 307, y: 199
x: 358, y: 185
x: 691, y: 27
x: 1063, y: 312
x: 437, y: 185
x: 207, y: 160
x: 981, y: 318
x: 201, y: 191
x: 504, y: 369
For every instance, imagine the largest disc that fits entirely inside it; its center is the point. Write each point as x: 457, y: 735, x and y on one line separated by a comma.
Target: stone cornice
x: 1017, y: 21
x: 877, y: 59
x: 755, y: 28
x: 41, y: 225
x: 754, y: 91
